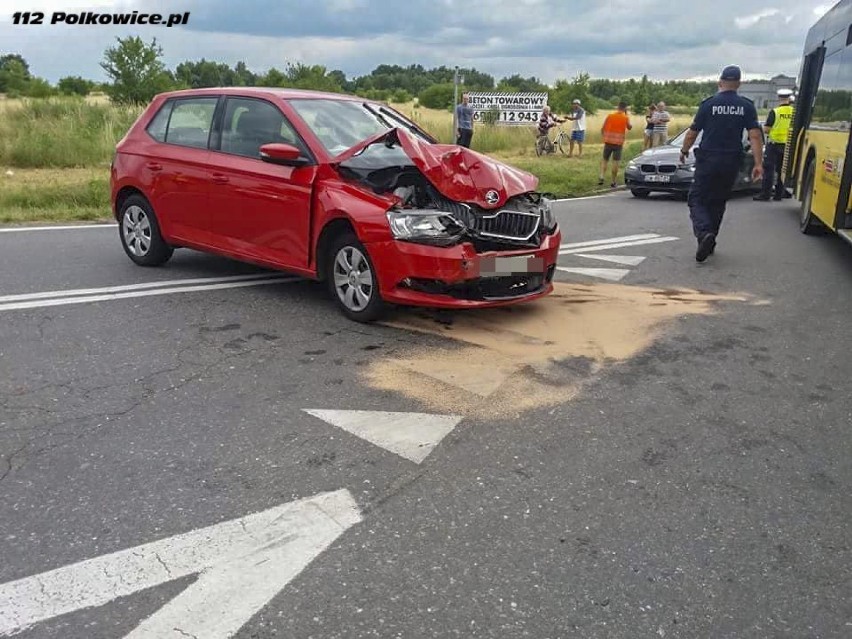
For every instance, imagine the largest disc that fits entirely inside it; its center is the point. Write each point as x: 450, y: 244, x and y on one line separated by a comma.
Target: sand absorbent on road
x: 501, y: 362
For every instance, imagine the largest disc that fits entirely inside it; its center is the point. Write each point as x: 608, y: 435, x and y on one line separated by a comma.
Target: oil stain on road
x: 502, y: 362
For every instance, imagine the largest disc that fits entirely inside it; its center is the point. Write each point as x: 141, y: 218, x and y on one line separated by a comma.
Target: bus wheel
x: 808, y: 222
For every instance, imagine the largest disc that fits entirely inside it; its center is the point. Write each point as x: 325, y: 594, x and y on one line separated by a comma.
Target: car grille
x: 518, y: 227
x: 658, y: 168
x: 486, y: 288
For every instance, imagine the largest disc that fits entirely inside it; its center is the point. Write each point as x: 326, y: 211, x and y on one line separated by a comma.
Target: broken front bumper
x: 459, y: 277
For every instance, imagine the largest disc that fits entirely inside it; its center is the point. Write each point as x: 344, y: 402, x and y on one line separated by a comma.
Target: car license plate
x: 495, y: 266
x: 657, y: 178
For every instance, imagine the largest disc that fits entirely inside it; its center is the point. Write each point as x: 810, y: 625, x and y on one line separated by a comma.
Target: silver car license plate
x: 657, y: 178
x: 495, y: 266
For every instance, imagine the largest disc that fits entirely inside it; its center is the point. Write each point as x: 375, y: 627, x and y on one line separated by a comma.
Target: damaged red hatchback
x: 333, y: 188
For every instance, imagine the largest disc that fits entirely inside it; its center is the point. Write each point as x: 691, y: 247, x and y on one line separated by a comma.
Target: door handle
x: 153, y: 166
x: 219, y: 178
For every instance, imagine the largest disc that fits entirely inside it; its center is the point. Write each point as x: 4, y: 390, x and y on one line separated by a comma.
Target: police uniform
x: 718, y: 159
x: 778, y: 122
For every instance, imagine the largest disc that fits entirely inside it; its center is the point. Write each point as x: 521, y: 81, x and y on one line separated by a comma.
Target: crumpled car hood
x: 458, y: 173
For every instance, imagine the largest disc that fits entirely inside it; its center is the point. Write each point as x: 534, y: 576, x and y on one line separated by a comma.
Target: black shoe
x: 787, y: 195
x: 613, y: 185
x: 777, y: 198
x: 600, y: 182
x: 761, y: 198
x: 706, y: 247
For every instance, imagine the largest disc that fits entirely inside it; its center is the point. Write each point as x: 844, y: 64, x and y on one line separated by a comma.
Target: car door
x: 746, y: 164
x: 259, y: 210
x: 177, y: 168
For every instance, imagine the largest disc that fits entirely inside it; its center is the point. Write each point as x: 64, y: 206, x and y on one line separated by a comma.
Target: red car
x: 334, y: 188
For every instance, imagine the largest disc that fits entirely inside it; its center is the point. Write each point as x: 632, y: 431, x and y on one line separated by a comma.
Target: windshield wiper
x: 377, y: 115
x: 408, y: 125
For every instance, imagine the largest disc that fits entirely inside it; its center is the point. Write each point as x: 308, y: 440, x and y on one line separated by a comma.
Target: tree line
x: 136, y: 73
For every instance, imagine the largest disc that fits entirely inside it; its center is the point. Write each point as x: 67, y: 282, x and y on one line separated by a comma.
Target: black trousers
x: 715, y: 174
x: 465, y: 137
x: 773, y: 159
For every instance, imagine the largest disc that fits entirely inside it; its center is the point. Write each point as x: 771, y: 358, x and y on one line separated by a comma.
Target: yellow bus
x: 816, y: 162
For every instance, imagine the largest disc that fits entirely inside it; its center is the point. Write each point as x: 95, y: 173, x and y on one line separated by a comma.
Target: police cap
x: 731, y: 72
x: 784, y: 93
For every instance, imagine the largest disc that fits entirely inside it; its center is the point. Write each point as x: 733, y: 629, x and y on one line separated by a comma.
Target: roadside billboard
x: 510, y: 109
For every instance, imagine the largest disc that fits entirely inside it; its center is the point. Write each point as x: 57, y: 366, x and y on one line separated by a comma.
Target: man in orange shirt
x: 614, y: 132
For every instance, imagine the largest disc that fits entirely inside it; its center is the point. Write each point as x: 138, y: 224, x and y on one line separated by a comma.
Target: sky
x: 548, y: 39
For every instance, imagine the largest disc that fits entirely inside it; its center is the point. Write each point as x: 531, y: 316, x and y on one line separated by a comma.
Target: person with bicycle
x: 546, y: 122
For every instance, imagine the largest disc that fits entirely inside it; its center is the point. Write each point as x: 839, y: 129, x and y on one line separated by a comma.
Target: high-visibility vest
x: 781, y: 126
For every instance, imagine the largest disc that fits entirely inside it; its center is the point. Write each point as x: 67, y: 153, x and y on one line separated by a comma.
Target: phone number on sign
x: 89, y: 17
x: 507, y: 117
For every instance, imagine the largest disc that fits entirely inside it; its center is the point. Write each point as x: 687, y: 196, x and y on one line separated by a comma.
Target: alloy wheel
x: 353, y: 278
x: 136, y: 229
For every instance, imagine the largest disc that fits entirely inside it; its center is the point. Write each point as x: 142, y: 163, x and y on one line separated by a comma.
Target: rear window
x: 186, y: 122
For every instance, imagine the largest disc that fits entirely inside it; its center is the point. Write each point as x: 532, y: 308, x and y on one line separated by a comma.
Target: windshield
x: 341, y: 124
x: 678, y: 139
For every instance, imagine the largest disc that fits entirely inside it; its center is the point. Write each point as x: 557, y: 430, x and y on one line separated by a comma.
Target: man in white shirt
x: 660, y: 119
x: 578, y: 132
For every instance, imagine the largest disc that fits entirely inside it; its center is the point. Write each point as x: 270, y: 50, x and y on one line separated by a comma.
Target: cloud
x: 747, y: 21
x: 606, y: 38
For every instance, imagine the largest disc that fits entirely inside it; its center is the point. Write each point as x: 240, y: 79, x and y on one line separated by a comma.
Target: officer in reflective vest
x: 722, y: 119
x: 777, y: 126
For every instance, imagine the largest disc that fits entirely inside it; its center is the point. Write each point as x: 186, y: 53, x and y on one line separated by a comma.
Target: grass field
x: 55, y: 155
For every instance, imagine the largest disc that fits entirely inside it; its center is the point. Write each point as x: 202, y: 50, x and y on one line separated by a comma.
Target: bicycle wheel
x: 560, y: 142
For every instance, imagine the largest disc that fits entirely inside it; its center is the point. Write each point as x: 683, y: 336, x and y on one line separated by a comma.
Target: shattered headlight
x: 548, y: 219
x: 424, y: 225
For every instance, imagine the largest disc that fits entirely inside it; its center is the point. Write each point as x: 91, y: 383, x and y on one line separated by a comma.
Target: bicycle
x: 544, y: 145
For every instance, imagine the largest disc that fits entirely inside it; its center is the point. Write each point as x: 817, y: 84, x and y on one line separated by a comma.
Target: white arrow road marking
x: 612, y: 274
x: 243, y: 563
x: 606, y: 247
x: 629, y: 260
x: 409, y: 435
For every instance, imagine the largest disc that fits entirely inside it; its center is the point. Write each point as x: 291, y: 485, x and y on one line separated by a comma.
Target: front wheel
x: 352, y: 280
x: 808, y: 223
x: 140, y: 233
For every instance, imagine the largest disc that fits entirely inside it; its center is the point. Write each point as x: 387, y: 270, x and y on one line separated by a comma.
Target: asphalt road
x: 699, y: 487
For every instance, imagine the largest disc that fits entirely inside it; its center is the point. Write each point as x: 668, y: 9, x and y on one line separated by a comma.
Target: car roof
x: 268, y: 92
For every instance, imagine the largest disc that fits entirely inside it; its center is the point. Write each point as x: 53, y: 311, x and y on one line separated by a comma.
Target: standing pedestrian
x: 661, y: 119
x: 464, y: 119
x: 578, y: 131
x: 649, y: 127
x: 722, y: 118
x: 776, y: 127
x: 614, y: 132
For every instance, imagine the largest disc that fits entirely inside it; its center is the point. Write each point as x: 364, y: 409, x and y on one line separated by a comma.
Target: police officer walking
x: 718, y: 157
x: 777, y: 126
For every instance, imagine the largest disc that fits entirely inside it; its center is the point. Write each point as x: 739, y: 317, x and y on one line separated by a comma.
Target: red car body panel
x: 458, y: 173
x: 274, y: 216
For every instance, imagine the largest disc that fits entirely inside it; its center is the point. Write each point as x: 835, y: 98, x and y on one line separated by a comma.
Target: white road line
x: 21, y: 229
x: 606, y: 247
x: 132, y: 287
x: 627, y: 260
x: 61, y: 301
x: 241, y: 565
x: 610, y: 240
x: 409, y: 435
x: 612, y: 274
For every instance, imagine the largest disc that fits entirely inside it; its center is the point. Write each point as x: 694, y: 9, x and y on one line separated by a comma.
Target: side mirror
x: 284, y: 154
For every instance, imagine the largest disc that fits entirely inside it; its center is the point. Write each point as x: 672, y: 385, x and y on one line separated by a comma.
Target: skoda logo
x: 492, y: 196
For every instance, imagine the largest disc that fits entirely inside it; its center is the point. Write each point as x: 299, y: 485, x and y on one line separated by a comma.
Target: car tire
x: 808, y: 222
x: 641, y: 193
x: 352, y: 280
x: 140, y: 235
